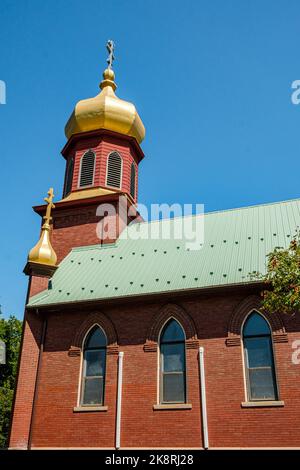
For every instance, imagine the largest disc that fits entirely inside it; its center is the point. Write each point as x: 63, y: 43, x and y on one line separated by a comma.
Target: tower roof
x: 106, y: 111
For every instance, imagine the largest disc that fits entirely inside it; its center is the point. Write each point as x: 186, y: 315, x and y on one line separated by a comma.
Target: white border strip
x: 119, y: 400
x: 203, y: 397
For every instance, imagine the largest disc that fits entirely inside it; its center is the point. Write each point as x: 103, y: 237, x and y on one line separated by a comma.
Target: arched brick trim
x: 93, y: 319
x: 253, y: 302
x: 163, y: 315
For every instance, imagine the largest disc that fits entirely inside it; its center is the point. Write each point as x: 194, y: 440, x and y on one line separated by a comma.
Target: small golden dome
x: 43, y: 252
x: 106, y: 111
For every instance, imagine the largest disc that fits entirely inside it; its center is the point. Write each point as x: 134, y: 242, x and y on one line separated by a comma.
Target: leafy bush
x: 10, y: 333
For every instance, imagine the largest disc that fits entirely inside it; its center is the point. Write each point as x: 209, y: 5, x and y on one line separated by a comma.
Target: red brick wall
x: 230, y: 425
x: 103, y: 146
x: 78, y: 227
x: 38, y: 284
x: 32, y: 330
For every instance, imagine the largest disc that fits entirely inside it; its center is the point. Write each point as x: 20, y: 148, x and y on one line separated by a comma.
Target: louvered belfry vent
x: 87, y: 169
x: 69, y: 176
x: 132, y: 181
x: 114, y: 170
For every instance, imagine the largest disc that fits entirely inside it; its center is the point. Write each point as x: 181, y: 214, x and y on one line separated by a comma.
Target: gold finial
x: 108, y: 74
x: 42, y: 252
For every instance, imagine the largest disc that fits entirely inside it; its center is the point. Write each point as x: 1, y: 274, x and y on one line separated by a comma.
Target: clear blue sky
x: 211, y: 80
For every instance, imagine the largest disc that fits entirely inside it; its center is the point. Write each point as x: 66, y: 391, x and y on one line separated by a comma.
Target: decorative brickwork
x: 253, y: 302
x: 163, y: 315
x: 95, y: 318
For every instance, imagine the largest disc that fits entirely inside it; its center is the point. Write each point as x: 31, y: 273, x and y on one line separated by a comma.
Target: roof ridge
x: 254, y: 205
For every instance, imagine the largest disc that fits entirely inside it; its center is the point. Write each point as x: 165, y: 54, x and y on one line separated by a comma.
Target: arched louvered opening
x: 114, y: 170
x: 87, y: 169
x: 69, y: 176
x: 132, y: 180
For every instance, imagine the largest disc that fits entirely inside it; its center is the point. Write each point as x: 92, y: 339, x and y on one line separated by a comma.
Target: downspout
x: 37, y: 381
x: 203, y: 398
x: 119, y: 400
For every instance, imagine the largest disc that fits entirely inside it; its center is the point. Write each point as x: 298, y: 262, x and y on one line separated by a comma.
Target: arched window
x: 69, y: 176
x: 172, y: 364
x: 259, y: 359
x: 87, y: 169
x: 132, y: 180
x: 93, y: 373
x: 114, y: 170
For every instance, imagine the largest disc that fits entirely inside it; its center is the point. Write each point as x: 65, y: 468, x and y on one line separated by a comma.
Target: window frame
x: 246, y: 369
x: 82, y: 378
x: 160, y: 366
x: 121, y: 171
x: 70, y: 162
x: 132, y: 167
x: 80, y: 170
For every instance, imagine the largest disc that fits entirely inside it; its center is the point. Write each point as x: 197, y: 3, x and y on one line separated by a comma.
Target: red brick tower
x: 102, y: 156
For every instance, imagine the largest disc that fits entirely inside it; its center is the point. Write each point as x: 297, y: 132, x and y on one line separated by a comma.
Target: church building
x: 132, y: 341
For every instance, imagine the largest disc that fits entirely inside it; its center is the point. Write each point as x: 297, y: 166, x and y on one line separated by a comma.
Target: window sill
x: 261, y: 404
x: 173, y: 406
x: 79, y: 409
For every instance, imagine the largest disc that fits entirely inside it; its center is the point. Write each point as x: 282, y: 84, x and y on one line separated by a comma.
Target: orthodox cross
x: 50, y: 206
x: 110, y: 46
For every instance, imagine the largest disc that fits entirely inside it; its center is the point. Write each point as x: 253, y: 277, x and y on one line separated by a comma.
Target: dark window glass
x: 173, y: 357
x: 69, y: 176
x: 132, y: 180
x: 96, y: 340
x: 172, y: 364
x: 95, y: 362
x: 256, y: 325
x: 172, y: 332
x: 93, y: 391
x: 259, y: 359
x: 114, y: 170
x: 87, y: 169
x: 173, y: 388
x: 94, y: 359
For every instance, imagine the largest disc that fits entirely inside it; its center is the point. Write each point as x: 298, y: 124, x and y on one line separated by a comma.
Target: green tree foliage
x: 282, y: 279
x: 10, y: 333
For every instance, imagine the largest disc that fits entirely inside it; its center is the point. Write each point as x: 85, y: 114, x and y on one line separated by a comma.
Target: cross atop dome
x: 110, y: 46
x: 106, y: 110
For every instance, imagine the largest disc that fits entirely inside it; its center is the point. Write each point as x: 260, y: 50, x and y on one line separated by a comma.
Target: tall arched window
x: 69, y: 176
x: 259, y: 359
x: 93, y: 373
x: 114, y: 170
x: 172, y: 364
x: 87, y: 169
x: 132, y: 180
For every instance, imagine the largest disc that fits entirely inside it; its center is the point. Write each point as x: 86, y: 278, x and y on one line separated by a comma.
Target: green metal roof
x: 236, y: 243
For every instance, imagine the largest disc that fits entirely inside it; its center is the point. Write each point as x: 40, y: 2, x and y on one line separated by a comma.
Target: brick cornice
x: 101, y: 133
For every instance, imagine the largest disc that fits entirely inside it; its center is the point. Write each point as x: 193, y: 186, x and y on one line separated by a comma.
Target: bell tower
x: 103, y: 149
x: 102, y: 155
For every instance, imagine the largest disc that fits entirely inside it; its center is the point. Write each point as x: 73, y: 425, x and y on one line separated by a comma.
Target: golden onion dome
x: 43, y: 252
x: 106, y: 111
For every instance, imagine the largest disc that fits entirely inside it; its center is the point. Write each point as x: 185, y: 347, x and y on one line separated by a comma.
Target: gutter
x: 150, y: 295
